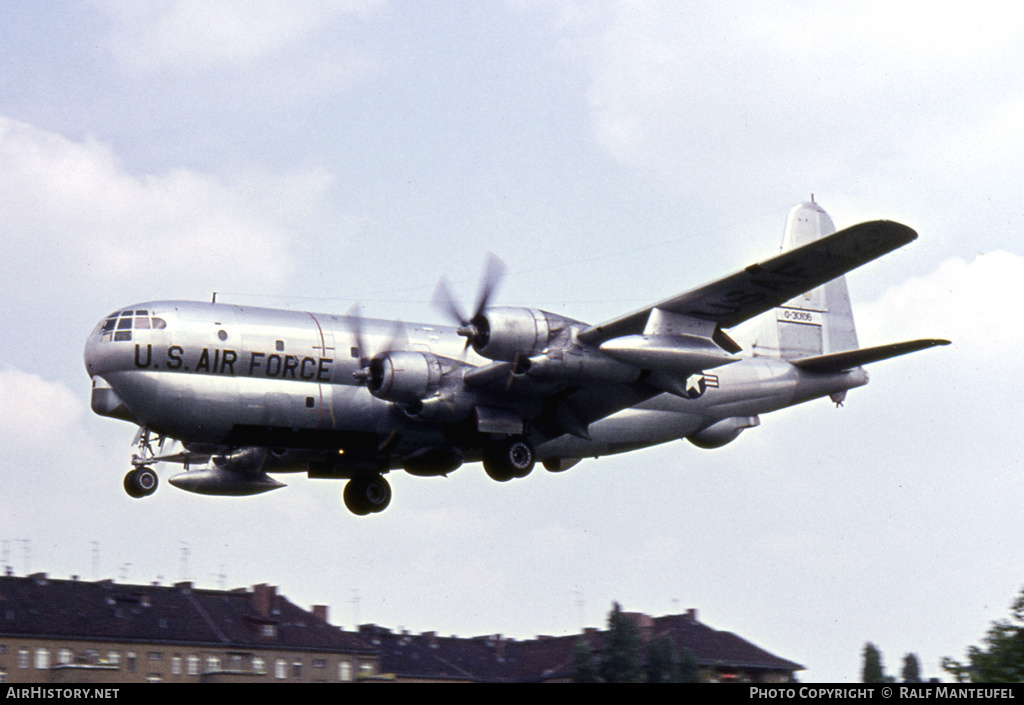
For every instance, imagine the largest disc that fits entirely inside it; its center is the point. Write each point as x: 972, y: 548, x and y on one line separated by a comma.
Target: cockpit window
x: 118, y: 326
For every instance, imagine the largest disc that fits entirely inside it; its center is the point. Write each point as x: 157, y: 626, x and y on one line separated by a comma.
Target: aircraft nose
x: 89, y: 354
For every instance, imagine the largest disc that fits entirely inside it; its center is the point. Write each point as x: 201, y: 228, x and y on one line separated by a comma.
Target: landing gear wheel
x: 141, y: 482
x: 367, y: 495
x: 509, y: 458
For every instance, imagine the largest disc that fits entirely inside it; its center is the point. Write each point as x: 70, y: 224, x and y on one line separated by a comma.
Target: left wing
x: 763, y: 286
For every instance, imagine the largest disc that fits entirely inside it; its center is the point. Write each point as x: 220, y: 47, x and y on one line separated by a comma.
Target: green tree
x: 873, y: 671
x: 661, y: 664
x: 689, y: 667
x: 620, y: 660
x: 583, y: 670
x: 911, y: 669
x: 1001, y: 659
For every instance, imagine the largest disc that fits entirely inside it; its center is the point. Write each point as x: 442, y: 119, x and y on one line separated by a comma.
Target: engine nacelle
x: 404, y: 376
x: 509, y: 334
x: 725, y: 431
x: 443, y: 408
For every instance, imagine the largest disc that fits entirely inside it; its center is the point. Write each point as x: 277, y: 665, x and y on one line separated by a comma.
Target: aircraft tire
x: 141, y: 482
x: 367, y: 495
x: 509, y: 458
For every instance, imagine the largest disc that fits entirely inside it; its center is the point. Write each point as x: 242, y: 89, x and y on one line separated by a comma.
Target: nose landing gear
x: 141, y: 482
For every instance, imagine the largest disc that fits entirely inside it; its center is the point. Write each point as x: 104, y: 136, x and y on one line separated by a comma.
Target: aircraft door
x: 323, y: 351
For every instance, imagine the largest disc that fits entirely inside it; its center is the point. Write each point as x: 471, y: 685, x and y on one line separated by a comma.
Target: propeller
x: 475, y: 327
x: 355, y: 319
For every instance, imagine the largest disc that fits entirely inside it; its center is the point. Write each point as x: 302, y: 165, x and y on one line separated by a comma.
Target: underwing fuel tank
x: 218, y: 481
x: 672, y: 353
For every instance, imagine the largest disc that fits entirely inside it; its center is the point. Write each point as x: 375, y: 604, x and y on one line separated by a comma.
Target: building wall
x: 39, y: 660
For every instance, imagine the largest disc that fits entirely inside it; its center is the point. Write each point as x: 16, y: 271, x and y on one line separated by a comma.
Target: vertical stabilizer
x: 818, y: 321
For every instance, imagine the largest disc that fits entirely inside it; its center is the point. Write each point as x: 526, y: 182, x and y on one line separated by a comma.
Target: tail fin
x: 819, y: 321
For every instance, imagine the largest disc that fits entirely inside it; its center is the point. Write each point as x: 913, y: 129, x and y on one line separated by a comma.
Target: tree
x: 583, y: 670
x: 1002, y: 658
x: 873, y: 671
x: 911, y: 669
x: 661, y: 664
x: 620, y: 660
x: 689, y: 667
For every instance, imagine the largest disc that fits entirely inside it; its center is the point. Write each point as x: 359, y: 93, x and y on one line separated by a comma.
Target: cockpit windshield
x: 119, y: 325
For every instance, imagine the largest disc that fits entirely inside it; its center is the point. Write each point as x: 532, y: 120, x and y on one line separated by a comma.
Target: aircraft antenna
x: 213, y: 299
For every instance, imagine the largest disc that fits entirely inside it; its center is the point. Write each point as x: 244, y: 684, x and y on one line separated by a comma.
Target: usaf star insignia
x: 697, y: 384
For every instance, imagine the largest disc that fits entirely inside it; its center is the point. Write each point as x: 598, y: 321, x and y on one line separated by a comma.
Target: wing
x: 761, y: 287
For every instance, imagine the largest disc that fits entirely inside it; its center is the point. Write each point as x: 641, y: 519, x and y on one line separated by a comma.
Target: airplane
x: 236, y: 393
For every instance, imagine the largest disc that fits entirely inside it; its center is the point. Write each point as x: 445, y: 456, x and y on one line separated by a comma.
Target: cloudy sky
x: 311, y: 154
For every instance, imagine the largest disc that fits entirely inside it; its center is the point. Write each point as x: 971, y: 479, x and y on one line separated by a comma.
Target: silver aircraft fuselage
x: 241, y: 392
x: 236, y: 376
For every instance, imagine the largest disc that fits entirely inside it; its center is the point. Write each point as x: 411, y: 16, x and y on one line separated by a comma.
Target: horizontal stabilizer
x: 850, y: 359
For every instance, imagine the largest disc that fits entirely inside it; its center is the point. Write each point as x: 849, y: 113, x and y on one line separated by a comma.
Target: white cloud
x: 974, y: 303
x: 785, y: 96
x: 200, y: 34
x: 38, y: 414
x: 72, y: 213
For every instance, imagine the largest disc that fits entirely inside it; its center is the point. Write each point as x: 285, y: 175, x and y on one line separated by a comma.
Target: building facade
x: 76, y: 631
x: 72, y: 631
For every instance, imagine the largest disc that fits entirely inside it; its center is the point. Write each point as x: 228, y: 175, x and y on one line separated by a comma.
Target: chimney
x: 320, y: 612
x: 644, y: 625
x: 263, y: 598
x: 692, y: 614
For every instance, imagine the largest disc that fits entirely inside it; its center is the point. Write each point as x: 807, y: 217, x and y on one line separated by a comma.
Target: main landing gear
x: 367, y: 495
x: 508, y: 458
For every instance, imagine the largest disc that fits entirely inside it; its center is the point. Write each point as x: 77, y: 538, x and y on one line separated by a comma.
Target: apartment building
x: 54, y: 631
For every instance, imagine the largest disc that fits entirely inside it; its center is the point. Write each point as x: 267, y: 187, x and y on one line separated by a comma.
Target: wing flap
x: 763, y: 286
